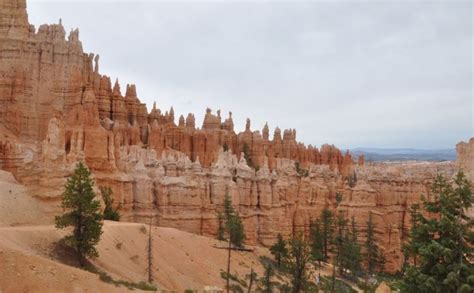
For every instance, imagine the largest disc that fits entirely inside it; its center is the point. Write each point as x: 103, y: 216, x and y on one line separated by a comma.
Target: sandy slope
x: 20, y: 272
x: 180, y: 260
x: 17, y: 207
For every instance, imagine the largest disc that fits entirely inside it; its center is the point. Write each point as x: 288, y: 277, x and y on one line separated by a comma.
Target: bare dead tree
x: 150, y: 254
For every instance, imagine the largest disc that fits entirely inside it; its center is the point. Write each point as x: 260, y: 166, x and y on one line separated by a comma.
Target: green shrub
x: 352, y: 180
x: 110, y: 213
x: 225, y: 147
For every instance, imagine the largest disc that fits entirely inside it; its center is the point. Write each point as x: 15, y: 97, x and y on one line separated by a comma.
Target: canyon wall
x: 465, y: 158
x: 56, y: 109
x: 465, y: 162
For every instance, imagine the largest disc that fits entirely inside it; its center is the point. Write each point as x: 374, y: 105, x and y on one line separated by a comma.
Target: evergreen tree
x: 266, y: 281
x: 234, y: 230
x: 246, y: 151
x: 220, y: 228
x: 414, y: 240
x: 338, y: 198
x: 351, y: 254
x: 225, y: 147
x: 279, y: 250
x: 82, y: 212
x: 444, y: 241
x: 110, y: 213
x: 328, y: 230
x: 317, y: 243
x: 340, y: 241
x: 372, y: 252
x: 352, y: 179
x: 299, y: 255
x: 252, y: 276
x: 229, y: 210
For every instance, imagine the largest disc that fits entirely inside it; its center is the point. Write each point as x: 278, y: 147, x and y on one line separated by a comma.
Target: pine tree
x: 266, y: 281
x: 225, y: 147
x: 412, y: 248
x: 339, y: 197
x: 351, y: 252
x: 229, y: 210
x: 220, y: 228
x: 317, y: 243
x: 340, y: 241
x: 234, y: 229
x: 279, y: 250
x: 246, y: 151
x: 352, y: 179
x: 299, y: 255
x: 252, y: 276
x: 372, y: 251
x: 82, y: 212
x: 110, y: 213
x: 328, y: 231
x: 444, y: 241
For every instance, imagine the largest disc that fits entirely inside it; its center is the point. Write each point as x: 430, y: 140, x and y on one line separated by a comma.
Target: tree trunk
x: 333, y: 285
x: 80, y: 259
x: 150, y: 256
x: 325, y: 249
x: 251, y: 281
x: 78, y: 238
x: 228, y: 266
x: 366, y: 281
x: 319, y: 272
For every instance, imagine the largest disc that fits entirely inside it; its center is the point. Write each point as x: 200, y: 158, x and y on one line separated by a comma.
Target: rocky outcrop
x: 465, y: 162
x: 465, y: 158
x: 56, y: 109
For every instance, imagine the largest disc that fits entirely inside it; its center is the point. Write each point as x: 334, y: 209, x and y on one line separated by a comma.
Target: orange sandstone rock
x: 56, y: 109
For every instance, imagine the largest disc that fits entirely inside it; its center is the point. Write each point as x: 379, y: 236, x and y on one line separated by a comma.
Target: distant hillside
x: 405, y: 154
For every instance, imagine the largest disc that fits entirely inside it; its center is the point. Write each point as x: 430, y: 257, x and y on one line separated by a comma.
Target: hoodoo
x: 56, y: 108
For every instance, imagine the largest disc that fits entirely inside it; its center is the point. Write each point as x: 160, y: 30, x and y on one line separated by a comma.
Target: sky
x: 351, y: 73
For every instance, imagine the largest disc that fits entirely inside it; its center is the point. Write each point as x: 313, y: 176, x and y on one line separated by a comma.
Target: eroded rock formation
x: 465, y: 158
x: 56, y: 109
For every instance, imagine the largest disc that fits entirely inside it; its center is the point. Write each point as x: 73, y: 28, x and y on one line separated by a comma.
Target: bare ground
x: 181, y: 260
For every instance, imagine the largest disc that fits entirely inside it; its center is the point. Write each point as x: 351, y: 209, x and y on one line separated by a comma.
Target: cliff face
x: 56, y: 108
x: 465, y: 158
x: 465, y: 162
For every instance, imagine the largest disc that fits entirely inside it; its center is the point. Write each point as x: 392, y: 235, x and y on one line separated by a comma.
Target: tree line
x: 332, y: 239
x: 438, y: 256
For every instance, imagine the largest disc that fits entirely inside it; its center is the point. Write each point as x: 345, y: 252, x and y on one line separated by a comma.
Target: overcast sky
x: 378, y: 74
